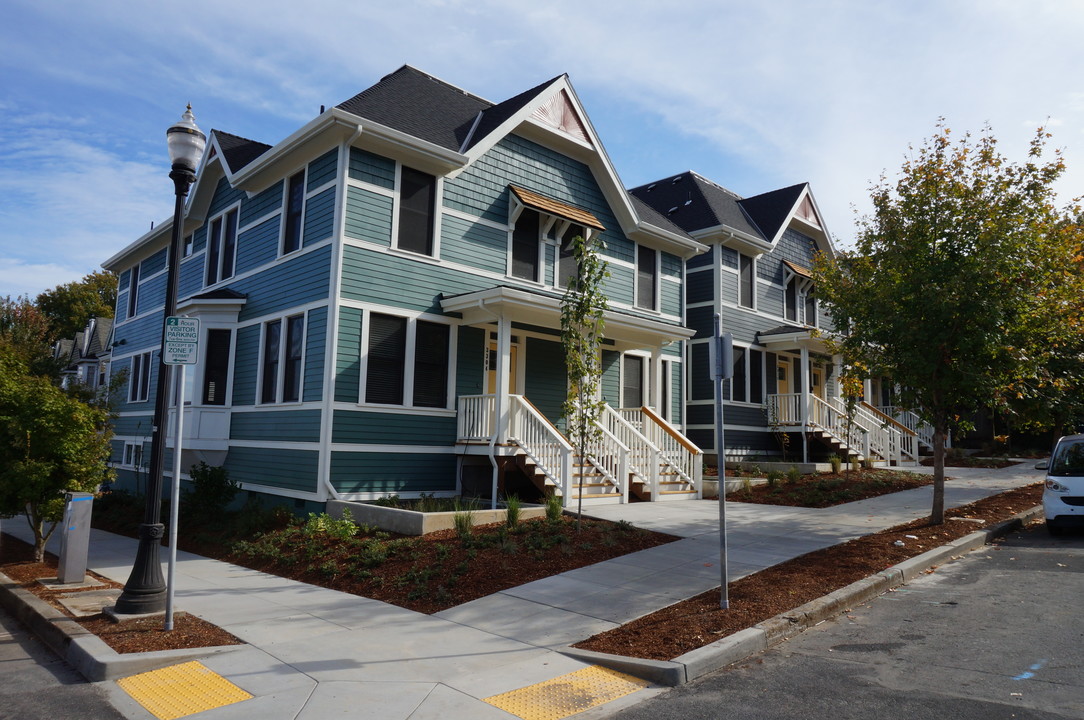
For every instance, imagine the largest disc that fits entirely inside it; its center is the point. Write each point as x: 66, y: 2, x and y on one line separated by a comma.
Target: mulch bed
x: 17, y: 562
x: 821, y: 490
x: 972, y: 462
x: 693, y: 623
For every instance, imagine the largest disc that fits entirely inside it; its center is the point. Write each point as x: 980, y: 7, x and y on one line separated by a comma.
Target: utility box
x: 75, y: 538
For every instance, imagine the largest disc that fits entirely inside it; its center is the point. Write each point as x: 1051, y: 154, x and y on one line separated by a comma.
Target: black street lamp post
x: 145, y: 591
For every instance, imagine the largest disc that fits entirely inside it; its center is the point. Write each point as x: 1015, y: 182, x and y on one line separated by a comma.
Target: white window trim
x: 658, y: 280
x: 438, y: 195
x: 132, y: 456
x: 144, y: 396
x: 747, y: 360
x: 280, y: 379
x: 408, y: 360
x: 304, y: 171
x: 221, y: 240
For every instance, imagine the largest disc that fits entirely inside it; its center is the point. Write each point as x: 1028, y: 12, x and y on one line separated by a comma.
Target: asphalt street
x: 997, y: 634
x: 37, y: 685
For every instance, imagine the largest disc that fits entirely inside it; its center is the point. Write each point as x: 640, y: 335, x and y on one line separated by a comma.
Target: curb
x: 746, y: 643
x: 82, y: 649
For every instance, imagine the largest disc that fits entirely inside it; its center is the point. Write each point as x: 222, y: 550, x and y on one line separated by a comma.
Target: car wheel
x: 1053, y: 527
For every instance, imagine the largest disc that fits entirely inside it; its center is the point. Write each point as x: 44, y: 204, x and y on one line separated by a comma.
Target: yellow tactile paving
x: 180, y: 690
x: 568, y: 694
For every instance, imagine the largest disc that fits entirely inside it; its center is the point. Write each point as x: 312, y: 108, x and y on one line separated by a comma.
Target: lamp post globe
x: 145, y: 591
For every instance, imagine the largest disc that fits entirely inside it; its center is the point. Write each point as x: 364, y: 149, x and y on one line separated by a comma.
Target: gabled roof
x: 419, y: 104
x: 492, y: 118
x: 238, y: 151
x: 695, y: 203
x: 771, y: 210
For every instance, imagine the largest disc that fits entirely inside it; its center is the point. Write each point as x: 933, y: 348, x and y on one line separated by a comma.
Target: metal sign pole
x: 722, y: 367
x: 175, y: 497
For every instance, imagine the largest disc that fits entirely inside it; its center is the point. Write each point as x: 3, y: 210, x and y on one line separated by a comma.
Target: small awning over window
x: 550, y: 206
x: 798, y: 270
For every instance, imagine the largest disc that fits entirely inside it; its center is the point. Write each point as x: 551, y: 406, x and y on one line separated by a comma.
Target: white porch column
x: 655, y: 401
x: 805, y: 392
x: 867, y: 391
x: 504, y: 355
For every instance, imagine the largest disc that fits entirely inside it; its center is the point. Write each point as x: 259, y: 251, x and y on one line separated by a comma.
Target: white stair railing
x: 542, y: 442
x: 914, y: 423
x: 678, y: 452
x: 643, y: 456
x: 611, y: 458
x: 656, y: 447
x: 476, y: 419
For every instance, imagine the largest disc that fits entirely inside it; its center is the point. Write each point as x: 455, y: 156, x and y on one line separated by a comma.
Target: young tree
x: 583, y: 311
x: 24, y: 332
x: 950, y: 277
x: 50, y: 442
x: 69, y: 307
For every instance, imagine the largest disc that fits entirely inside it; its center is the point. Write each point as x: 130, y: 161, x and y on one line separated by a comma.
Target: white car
x: 1063, y: 493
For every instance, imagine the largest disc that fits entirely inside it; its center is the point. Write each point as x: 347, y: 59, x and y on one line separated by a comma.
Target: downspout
x: 497, y: 409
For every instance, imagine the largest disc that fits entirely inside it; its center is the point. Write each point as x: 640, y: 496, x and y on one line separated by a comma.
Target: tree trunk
x: 937, y: 514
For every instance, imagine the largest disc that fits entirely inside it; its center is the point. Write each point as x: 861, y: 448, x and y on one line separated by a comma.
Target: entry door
x: 816, y: 380
x: 783, y: 376
x: 492, y: 360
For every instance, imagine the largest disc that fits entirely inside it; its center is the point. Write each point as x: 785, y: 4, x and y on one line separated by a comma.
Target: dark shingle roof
x: 651, y: 216
x: 695, y: 203
x: 782, y: 330
x: 497, y: 114
x: 420, y: 105
x: 238, y: 151
x: 770, y: 210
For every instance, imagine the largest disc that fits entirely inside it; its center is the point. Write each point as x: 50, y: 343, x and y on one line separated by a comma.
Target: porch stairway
x: 871, y: 434
x: 636, y: 455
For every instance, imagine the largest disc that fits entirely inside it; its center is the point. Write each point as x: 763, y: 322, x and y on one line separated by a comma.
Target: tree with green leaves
x: 69, y: 307
x: 25, y: 334
x: 583, y: 311
x: 957, y: 280
x: 50, y: 442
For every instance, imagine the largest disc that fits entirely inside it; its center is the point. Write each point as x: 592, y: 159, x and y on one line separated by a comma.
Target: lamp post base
x: 145, y: 591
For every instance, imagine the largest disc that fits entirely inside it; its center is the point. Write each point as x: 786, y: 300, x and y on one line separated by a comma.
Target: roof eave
x: 671, y: 242
x: 734, y: 238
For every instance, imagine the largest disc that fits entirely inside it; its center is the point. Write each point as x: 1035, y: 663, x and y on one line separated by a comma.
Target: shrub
x: 793, y: 474
x: 341, y: 529
x: 747, y: 485
x: 774, y: 476
x: 513, y: 508
x: 463, y: 520
x: 212, y: 492
x: 855, y: 464
x: 554, y: 509
x: 837, y: 463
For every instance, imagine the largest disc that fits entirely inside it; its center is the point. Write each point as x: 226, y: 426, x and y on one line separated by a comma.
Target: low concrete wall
x: 411, y: 522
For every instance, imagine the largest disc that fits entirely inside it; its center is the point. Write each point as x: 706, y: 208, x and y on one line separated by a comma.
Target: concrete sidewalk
x: 315, y: 653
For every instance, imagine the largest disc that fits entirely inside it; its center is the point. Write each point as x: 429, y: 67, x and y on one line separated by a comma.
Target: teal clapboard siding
x: 473, y: 244
x: 140, y: 334
x: 245, y: 363
x: 348, y: 356
x: 191, y: 280
x: 302, y: 279
x: 116, y: 451
x: 676, y: 391
x: 619, y: 286
x: 546, y: 382
x: 368, y: 216
x: 284, y: 425
x: 315, y: 344
x: 671, y: 265
x: 125, y: 366
x: 153, y: 264
x: 470, y: 362
x: 262, y: 203
x: 132, y: 425
x: 319, y: 217
x: 199, y: 238
x: 258, y: 245
x: 152, y: 294
x: 376, y: 428
x: 124, y: 279
x: 402, y: 282
x: 224, y: 197
x: 322, y: 169
x: 284, y: 468
x: 371, y: 168
x: 482, y: 189
x: 671, y: 298
x: 381, y: 472
x: 611, y: 377
x: 699, y: 286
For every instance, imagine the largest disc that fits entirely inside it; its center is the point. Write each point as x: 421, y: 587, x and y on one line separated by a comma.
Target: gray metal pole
x: 719, y: 372
x: 175, y: 497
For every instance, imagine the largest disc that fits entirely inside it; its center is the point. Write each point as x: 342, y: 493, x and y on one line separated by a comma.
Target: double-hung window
x: 133, y: 290
x: 216, y: 366
x: 295, y: 208
x: 407, y: 362
x: 647, y: 278
x: 282, y: 360
x: 526, y: 248
x: 810, y: 307
x: 417, y: 196
x: 139, y: 378
x: 221, y: 247
x: 790, y: 300
x: 746, y: 281
x: 133, y: 454
x: 566, y: 258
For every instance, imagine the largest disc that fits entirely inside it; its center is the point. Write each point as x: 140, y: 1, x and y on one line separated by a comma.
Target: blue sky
x: 754, y: 96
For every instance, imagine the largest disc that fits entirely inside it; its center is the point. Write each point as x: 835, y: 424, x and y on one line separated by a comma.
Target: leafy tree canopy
x: 70, y: 306
x: 24, y: 336
x: 961, y: 276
